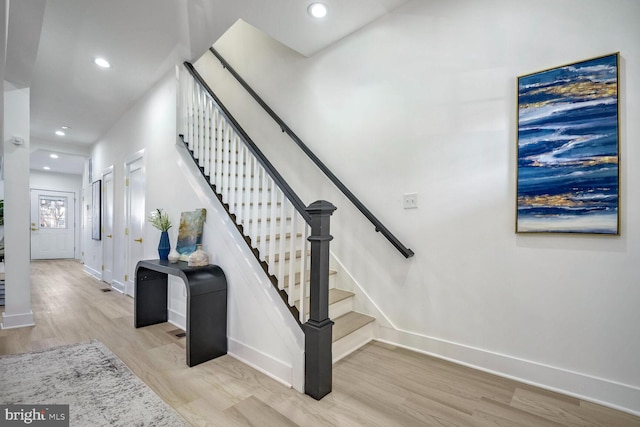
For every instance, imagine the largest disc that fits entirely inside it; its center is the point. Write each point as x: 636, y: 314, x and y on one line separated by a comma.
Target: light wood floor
x: 379, y: 385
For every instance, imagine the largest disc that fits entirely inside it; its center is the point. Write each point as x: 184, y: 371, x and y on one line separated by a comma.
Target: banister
x: 379, y: 227
x: 271, y: 170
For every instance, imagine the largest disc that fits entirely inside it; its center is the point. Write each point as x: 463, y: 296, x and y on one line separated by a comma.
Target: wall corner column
x: 17, y: 234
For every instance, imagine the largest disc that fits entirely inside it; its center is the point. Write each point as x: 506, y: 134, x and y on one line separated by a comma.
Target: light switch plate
x: 410, y: 200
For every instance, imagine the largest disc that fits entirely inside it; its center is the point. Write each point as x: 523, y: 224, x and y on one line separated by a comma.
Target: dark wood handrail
x: 379, y: 227
x: 271, y: 170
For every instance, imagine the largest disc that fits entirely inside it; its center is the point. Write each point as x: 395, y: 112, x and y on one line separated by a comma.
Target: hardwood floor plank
x: 565, y: 411
x: 253, y: 412
x: 491, y: 413
x: 378, y: 385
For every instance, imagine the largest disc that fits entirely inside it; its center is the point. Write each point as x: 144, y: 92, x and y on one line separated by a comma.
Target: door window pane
x: 53, y: 212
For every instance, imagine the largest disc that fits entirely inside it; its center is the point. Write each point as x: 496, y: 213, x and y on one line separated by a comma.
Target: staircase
x: 273, y: 220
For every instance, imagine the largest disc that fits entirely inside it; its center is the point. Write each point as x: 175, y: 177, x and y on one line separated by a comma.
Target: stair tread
x: 348, y: 323
x: 335, y: 295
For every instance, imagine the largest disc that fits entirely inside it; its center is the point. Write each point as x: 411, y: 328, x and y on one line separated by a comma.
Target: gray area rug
x: 98, y: 387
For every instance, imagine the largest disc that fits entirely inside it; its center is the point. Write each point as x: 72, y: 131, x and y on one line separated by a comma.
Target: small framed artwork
x: 568, y: 149
x: 96, y: 209
x: 190, y: 232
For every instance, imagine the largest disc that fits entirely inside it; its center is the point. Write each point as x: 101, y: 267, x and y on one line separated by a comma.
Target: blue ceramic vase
x: 164, y: 247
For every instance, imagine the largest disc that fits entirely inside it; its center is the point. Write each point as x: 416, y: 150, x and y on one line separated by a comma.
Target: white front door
x: 107, y: 224
x: 135, y: 202
x: 52, y: 224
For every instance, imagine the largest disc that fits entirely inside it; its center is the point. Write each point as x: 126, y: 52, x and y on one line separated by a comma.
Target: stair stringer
x: 261, y: 330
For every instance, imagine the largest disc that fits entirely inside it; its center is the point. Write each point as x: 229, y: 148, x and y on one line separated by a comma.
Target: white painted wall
x: 62, y: 182
x: 260, y: 331
x: 424, y: 100
x: 17, y: 312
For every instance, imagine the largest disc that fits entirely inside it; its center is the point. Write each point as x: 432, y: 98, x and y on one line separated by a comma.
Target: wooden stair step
x: 335, y: 295
x: 348, y: 323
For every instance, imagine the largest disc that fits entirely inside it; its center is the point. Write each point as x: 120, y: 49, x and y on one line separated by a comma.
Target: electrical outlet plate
x: 410, y: 200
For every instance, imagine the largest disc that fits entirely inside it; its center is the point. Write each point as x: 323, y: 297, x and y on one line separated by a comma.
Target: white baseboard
x: 623, y: 397
x: 90, y: 271
x: 273, y: 368
x: 177, y: 319
x: 13, y: 321
x: 118, y: 286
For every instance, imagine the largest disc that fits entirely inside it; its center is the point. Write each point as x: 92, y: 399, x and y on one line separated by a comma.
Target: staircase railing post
x: 318, y: 329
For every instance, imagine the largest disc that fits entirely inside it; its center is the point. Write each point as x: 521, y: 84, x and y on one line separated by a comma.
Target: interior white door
x: 135, y: 202
x: 107, y: 226
x: 53, y: 226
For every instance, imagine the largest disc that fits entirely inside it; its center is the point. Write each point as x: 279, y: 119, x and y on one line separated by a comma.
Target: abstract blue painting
x: 568, y: 149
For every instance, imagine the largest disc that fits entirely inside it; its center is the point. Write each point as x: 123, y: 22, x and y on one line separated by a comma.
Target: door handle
x: 138, y: 240
x: 109, y: 235
x: 34, y: 229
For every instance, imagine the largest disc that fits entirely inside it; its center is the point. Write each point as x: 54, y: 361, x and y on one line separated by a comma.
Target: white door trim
x: 129, y: 272
x: 108, y: 240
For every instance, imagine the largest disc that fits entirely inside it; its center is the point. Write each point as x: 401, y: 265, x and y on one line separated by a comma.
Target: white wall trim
x: 271, y: 367
x: 13, y: 321
x: 90, y: 271
x: 177, y: 319
x: 118, y: 286
x: 586, y: 387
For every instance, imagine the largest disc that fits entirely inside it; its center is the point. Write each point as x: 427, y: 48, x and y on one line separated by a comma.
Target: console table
x: 206, y: 304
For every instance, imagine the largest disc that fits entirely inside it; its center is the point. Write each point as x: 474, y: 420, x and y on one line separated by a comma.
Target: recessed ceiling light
x: 66, y: 127
x: 317, y: 10
x: 47, y: 168
x: 101, y: 62
x: 53, y: 155
x: 60, y: 133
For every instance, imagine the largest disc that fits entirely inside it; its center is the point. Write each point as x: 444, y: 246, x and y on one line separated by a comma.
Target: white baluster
x: 247, y: 191
x: 206, y: 158
x: 226, y: 142
x: 272, y: 212
x: 233, y: 171
x: 190, y: 110
x: 304, y: 265
x: 291, y: 283
x: 255, y: 208
x: 197, y: 140
x: 213, y: 123
x: 281, y: 245
x: 238, y: 207
x: 219, y: 151
x: 267, y: 182
x: 202, y: 125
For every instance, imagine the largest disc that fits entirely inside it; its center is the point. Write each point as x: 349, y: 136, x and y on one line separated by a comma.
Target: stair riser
x: 340, y: 308
x: 336, y: 309
x: 277, y: 243
x: 332, y: 284
x: 296, y: 266
x: 350, y: 343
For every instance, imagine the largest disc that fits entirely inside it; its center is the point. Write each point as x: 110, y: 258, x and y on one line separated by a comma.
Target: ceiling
x: 51, y: 45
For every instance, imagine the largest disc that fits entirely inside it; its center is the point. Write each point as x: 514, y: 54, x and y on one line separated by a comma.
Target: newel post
x: 318, y: 329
